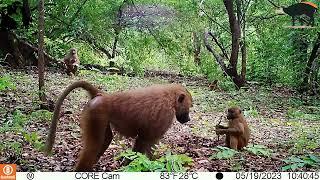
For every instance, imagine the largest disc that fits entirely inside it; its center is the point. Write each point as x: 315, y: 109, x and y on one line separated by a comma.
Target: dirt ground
x: 197, y: 138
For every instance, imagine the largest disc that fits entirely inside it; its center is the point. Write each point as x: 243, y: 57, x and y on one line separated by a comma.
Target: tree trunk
x: 243, y: 45
x: 243, y: 59
x: 236, y: 34
x: 196, y: 48
x: 312, y: 58
x: 42, y: 95
x: 314, y: 83
x: 300, y: 53
x: 117, y: 29
x: 231, y: 69
x: 26, y: 13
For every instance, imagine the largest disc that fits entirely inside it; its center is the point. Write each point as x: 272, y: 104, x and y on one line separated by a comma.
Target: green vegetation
x: 34, y: 140
x: 167, y: 163
x: 294, y: 162
x: 6, y: 83
x: 267, y: 68
x: 16, y: 124
x: 275, y: 55
x: 223, y: 153
x: 306, y: 139
x: 259, y: 150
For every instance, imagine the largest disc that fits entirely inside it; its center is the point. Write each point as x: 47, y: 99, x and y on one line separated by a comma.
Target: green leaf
x: 259, y: 150
x: 176, y: 167
x: 285, y: 168
x: 294, y: 166
x: 314, y: 158
x: 295, y: 159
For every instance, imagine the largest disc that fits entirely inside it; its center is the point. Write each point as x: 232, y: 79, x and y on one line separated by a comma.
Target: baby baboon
x: 213, y: 86
x: 237, y: 132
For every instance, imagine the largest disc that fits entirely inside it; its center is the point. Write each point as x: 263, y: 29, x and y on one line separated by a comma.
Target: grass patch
x: 6, y: 83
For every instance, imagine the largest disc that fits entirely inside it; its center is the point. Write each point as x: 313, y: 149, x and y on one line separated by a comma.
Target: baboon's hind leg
x: 107, y: 140
x: 233, y: 142
x: 93, y: 136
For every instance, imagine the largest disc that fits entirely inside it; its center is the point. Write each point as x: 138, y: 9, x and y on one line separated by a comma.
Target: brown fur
x: 144, y: 114
x: 237, y: 132
x: 213, y: 86
x: 71, y: 62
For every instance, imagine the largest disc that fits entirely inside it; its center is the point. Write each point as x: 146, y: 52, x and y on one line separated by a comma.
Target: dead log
x: 20, y: 53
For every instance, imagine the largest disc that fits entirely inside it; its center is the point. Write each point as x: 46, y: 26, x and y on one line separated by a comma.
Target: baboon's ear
x: 240, y: 111
x: 181, y: 98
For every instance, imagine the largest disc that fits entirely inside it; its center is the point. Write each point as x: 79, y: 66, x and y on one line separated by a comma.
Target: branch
x: 239, y: 11
x: 217, y: 57
x: 220, y: 45
x: 86, y: 37
x: 117, y: 29
x: 45, y: 4
x: 47, y: 56
x: 78, y: 11
x: 245, y: 9
x: 149, y: 29
x: 213, y: 20
x: 261, y: 18
x: 273, y: 4
x: 57, y: 19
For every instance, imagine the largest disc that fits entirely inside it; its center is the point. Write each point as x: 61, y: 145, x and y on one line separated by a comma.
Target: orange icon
x: 8, y: 171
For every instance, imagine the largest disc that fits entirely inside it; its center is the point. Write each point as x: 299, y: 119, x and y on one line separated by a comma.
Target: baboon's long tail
x: 54, y: 121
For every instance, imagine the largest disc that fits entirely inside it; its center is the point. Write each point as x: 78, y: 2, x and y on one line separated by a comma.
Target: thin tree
x: 238, y: 43
x: 196, y: 48
x: 42, y: 95
x: 311, y: 66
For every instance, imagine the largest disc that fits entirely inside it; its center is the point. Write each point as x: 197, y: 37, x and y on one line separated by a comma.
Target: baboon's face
x: 73, y: 51
x: 233, y: 113
x: 184, y: 103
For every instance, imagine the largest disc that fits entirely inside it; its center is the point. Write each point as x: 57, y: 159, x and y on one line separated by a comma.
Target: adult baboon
x: 144, y: 114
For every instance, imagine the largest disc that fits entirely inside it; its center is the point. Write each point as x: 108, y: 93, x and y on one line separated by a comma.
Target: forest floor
x: 279, y: 118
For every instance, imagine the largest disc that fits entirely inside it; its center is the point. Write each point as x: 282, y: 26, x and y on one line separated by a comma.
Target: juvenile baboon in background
x: 145, y: 114
x: 237, y: 132
x: 71, y: 62
x: 213, y: 86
